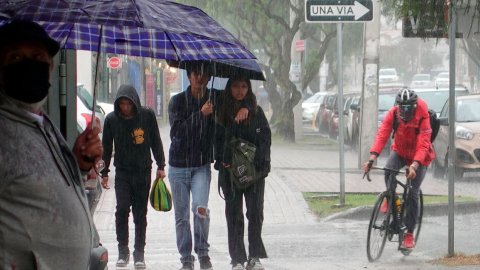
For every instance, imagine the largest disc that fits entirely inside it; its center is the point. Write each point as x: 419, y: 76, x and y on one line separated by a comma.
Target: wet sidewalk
x: 293, y: 237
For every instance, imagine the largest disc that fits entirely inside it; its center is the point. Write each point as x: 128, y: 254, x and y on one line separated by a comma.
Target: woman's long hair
x: 229, y: 105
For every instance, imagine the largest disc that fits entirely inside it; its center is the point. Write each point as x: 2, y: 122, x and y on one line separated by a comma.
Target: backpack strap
x: 395, y: 123
x: 417, y: 130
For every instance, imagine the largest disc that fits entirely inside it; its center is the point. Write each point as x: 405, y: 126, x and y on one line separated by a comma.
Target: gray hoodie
x: 45, y: 221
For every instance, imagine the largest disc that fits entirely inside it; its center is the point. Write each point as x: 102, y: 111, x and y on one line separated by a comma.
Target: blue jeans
x: 183, y: 181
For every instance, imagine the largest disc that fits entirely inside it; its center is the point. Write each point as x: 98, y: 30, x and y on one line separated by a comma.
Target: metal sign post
x: 327, y: 11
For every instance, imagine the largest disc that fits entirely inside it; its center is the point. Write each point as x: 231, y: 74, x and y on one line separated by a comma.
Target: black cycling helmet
x: 406, y: 101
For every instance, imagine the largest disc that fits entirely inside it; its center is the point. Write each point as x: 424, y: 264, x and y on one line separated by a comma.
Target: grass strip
x: 458, y: 259
x: 326, y: 204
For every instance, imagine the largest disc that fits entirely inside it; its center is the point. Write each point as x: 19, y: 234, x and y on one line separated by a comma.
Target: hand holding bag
x: 160, y: 196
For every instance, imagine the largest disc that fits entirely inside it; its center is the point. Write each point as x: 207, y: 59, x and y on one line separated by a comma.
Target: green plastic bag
x: 160, y: 196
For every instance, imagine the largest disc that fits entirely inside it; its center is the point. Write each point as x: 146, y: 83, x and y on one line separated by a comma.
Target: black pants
x: 395, y: 161
x: 132, y: 190
x: 254, y: 199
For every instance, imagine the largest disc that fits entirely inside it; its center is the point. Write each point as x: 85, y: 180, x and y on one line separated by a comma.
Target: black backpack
x: 434, y: 124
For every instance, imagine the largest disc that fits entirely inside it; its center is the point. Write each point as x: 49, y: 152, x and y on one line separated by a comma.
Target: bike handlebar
x: 371, y: 167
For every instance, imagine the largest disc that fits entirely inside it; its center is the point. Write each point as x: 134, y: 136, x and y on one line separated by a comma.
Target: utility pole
x: 369, y: 109
x: 296, y: 71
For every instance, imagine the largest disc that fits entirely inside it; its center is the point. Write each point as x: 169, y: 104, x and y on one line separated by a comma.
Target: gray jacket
x: 45, y: 221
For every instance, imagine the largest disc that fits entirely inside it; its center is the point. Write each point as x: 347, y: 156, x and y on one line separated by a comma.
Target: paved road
x: 294, y: 238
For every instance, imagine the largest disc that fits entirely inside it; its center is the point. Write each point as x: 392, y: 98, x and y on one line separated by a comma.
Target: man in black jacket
x: 191, y: 154
x: 134, y: 131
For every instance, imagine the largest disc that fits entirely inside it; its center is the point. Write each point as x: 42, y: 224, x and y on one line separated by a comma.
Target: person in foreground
x: 191, y: 155
x: 45, y: 222
x: 254, y: 129
x: 134, y: 131
x: 409, y: 148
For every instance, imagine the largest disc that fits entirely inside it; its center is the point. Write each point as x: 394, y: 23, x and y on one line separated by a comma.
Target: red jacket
x: 407, y: 144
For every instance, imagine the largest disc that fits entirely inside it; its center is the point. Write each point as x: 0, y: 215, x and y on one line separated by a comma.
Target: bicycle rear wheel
x: 378, y: 228
x: 418, y: 224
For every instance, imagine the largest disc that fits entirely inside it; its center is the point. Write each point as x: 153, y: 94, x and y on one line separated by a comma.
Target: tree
x: 266, y: 24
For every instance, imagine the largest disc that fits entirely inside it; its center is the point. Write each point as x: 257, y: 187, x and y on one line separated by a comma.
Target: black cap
x: 18, y: 31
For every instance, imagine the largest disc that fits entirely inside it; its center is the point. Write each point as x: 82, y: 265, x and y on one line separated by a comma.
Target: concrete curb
x: 430, y: 210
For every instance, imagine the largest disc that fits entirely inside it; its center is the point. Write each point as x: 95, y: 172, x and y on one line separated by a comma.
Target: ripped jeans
x: 183, y: 181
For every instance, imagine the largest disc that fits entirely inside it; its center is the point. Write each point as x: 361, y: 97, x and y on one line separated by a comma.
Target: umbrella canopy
x: 226, y: 68
x: 147, y: 28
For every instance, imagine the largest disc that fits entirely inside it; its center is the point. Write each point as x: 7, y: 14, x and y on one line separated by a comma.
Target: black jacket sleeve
x: 157, y: 145
x: 107, y: 143
x: 263, y: 142
x: 181, y: 126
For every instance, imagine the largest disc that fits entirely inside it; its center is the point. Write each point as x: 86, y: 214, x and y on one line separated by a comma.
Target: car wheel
x: 355, y: 140
x: 458, y: 171
x: 323, y: 128
x: 438, y: 171
x: 332, y: 136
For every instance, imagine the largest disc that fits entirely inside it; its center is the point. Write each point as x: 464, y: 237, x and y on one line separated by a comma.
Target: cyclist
x: 411, y: 147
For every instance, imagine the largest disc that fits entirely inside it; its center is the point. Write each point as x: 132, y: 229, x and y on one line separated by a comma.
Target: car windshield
x: 315, y: 99
x: 387, y: 72
x: 386, y: 101
x: 467, y: 110
x: 421, y: 78
x: 443, y: 75
x: 436, y: 99
x: 86, y: 98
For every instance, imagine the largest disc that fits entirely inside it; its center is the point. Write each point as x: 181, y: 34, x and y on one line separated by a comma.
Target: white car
x: 442, y: 80
x: 421, y: 80
x: 84, y: 109
x: 311, y: 105
x: 387, y: 75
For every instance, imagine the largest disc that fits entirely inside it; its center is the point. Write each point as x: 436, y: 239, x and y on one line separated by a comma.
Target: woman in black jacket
x: 254, y: 129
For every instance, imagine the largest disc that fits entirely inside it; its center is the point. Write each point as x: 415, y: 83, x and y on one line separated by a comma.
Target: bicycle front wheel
x: 378, y: 229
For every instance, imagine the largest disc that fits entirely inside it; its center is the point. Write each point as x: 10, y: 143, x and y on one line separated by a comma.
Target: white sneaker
x: 140, y: 265
x: 254, y: 264
x: 238, y: 266
x: 122, y: 262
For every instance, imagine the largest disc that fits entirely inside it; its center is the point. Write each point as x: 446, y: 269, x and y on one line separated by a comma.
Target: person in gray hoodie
x: 134, y: 131
x: 45, y: 222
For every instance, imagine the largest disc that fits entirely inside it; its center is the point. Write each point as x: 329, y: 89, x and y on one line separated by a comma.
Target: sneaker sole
x: 211, y: 268
x: 121, y: 265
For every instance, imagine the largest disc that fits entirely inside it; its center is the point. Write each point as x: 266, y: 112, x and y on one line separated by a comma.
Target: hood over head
x: 127, y: 91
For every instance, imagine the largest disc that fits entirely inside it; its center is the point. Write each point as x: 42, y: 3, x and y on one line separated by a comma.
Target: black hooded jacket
x: 133, y: 137
x: 191, y: 132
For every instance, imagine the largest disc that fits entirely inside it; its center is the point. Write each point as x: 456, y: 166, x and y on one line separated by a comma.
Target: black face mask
x: 27, y: 80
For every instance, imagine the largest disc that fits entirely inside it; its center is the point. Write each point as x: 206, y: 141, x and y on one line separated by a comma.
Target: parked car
x: 467, y: 140
x: 421, y: 80
x: 442, y: 80
x: 386, y: 100
x: 325, y: 112
x: 93, y: 190
x: 334, y: 121
x: 262, y: 98
x: 311, y: 106
x: 84, y: 109
x: 387, y: 75
x: 435, y: 98
x: 352, y: 99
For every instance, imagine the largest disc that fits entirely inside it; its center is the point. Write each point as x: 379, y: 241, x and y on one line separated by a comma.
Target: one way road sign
x: 324, y: 11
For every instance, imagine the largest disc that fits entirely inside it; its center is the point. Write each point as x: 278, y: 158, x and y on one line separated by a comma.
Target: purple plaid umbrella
x: 226, y: 68
x: 147, y: 28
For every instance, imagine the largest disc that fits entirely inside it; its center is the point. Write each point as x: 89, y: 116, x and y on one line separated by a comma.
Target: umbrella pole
x: 96, y: 74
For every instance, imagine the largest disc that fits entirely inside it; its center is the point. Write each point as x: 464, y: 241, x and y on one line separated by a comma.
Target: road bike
x: 392, y: 223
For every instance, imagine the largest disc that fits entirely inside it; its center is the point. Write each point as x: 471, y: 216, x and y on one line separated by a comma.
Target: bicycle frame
x: 388, y: 228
